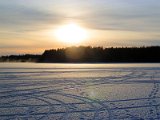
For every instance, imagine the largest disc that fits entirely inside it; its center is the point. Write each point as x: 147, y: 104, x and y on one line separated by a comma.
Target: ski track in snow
x: 37, y: 95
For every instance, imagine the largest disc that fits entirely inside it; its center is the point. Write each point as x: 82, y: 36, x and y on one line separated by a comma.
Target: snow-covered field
x: 30, y: 91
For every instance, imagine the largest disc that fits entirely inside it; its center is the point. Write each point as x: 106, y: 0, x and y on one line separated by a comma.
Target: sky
x: 27, y: 26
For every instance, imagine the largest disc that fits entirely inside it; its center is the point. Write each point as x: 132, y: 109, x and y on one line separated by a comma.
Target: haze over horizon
x: 29, y: 26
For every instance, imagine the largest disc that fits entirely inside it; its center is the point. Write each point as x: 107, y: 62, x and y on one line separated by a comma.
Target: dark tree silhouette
x: 91, y: 55
x: 20, y: 58
x: 99, y: 54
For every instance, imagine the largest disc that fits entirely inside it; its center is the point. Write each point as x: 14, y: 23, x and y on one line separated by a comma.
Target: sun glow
x: 71, y: 33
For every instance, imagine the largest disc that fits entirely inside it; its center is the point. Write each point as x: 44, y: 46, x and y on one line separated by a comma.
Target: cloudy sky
x: 26, y: 26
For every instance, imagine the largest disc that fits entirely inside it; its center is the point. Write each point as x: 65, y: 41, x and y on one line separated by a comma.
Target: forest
x: 83, y: 54
x: 20, y: 58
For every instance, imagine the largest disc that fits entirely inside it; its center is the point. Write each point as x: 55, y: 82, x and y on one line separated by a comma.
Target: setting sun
x: 71, y: 33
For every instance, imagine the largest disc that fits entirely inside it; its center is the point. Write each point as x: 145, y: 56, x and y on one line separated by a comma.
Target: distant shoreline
x: 91, y: 55
x: 85, y: 62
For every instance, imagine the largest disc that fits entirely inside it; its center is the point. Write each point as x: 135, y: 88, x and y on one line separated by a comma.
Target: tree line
x: 20, y: 58
x: 90, y: 54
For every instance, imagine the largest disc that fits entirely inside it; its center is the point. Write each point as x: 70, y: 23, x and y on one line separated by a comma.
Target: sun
x: 71, y: 33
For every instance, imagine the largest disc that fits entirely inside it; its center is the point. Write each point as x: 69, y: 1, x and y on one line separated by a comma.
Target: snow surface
x: 31, y: 91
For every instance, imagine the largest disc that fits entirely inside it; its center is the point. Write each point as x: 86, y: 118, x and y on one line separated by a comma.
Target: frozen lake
x: 30, y: 91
